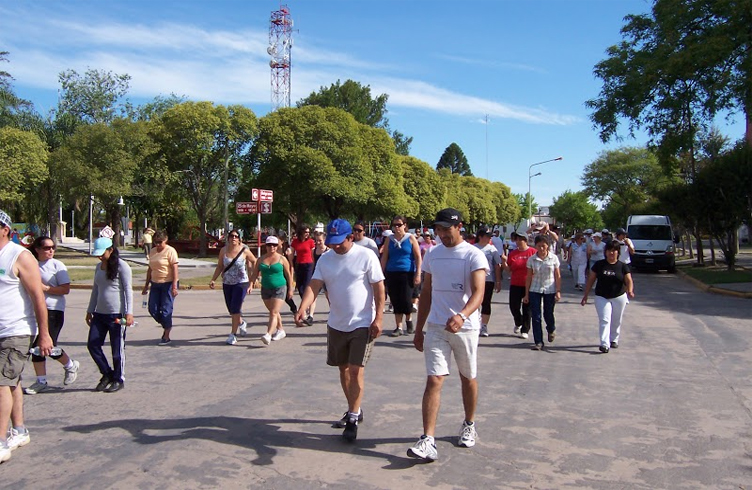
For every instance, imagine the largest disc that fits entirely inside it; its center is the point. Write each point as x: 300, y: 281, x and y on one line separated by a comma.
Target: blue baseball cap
x: 100, y: 245
x: 337, y: 231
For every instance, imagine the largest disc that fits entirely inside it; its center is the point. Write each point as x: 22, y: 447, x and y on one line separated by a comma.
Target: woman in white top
x: 543, y: 283
x: 56, y: 284
x: 578, y: 259
x: 596, y: 249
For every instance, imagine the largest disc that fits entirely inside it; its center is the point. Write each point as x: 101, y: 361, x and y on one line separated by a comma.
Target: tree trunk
x: 202, y: 234
x: 700, y: 250
x: 712, y: 252
x: 689, y: 242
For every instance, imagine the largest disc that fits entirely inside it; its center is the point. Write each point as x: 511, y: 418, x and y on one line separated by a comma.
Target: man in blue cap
x: 355, y: 284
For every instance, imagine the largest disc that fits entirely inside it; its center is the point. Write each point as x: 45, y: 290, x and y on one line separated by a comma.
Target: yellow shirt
x: 161, y: 264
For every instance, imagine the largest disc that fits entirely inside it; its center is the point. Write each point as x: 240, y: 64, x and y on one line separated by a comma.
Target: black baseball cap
x: 448, y: 217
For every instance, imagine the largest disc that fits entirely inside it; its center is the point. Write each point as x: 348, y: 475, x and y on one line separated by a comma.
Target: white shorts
x: 439, y: 344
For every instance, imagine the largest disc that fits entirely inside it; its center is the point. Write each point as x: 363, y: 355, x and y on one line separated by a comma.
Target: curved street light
x: 529, y: 179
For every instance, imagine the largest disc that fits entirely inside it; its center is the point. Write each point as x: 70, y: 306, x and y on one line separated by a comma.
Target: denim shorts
x: 279, y: 293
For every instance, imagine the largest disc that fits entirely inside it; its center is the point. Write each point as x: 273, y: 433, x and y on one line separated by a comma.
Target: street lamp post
x: 529, y: 179
x: 91, y: 225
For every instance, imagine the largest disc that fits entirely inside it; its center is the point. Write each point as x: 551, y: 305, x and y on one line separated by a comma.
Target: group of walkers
x: 451, y: 280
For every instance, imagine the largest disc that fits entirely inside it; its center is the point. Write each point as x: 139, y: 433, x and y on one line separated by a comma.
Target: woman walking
x: 111, y: 301
x: 56, y: 284
x: 162, y: 276
x: 400, y: 261
x: 517, y: 265
x: 303, y: 246
x: 276, y: 285
x: 596, y: 249
x: 543, y: 283
x: 578, y: 260
x: 235, y: 264
x: 613, y: 290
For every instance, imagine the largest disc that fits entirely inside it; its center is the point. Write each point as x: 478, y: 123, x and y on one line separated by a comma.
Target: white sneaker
x: 279, y: 335
x: 266, y: 338
x: 35, y: 388
x: 484, y: 331
x: 71, y: 374
x: 424, y: 449
x: 517, y: 330
x: 243, y: 329
x: 524, y: 335
x: 467, y: 435
x: 231, y: 340
x: 4, y: 453
x: 18, y: 439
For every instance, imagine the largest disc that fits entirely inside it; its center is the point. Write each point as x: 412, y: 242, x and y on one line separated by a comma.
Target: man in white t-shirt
x: 355, y: 285
x: 626, y: 247
x: 455, y: 273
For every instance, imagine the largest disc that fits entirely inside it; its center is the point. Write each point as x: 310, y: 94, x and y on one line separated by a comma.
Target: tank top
x: 400, y: 255
x: 272, y: 276
x: 236, y: 274
x: 17, y: 312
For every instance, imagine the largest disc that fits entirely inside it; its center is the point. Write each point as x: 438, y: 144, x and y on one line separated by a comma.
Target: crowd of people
x: 445, y: 278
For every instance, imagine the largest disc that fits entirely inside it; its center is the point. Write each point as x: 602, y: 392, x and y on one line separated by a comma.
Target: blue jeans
x: 549, y: 301
x: 161, y: 303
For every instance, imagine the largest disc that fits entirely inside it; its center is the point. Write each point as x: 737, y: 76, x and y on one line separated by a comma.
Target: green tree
x: 24, y: 158
x: 423, y: 187
x: 322, y: 161
x: 526, y: 204
x: 14, y: 111
x: 455, y: 160
x: 356, y: 99
x: 507, y: 207
x: 204, y: 143
x: 94, y: 96
x: 573, y: 211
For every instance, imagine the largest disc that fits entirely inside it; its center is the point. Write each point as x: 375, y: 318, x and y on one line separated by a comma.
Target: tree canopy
x: 575, y: 212
x: 23, y: 156
x: 93, y: 97
x: 455, y: 160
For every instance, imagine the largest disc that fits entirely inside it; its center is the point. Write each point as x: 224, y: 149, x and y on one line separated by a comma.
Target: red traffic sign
x: 254, y: 194
x: 246, y: 207
x: 266, y: 195
x: 266, y: 207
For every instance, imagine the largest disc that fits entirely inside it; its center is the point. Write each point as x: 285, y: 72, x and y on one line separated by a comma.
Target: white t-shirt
x: 451, y: 271
x: 349, y: 280
x: 369, y: 244
x: 17, y: 311
x: 54, y: 273
x: 624, y: 251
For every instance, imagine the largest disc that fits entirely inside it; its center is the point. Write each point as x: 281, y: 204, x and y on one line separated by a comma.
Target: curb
x: 712, y: 289
x: 181, y: 288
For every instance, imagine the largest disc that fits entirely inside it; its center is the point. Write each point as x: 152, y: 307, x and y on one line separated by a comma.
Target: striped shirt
x: 543, y: 273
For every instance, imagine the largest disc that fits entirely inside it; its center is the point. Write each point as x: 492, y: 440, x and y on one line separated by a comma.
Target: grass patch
x: 717, y: 275
x: 198, y: 281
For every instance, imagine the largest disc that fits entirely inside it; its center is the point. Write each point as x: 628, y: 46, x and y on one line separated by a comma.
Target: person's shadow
x: 261, y: 435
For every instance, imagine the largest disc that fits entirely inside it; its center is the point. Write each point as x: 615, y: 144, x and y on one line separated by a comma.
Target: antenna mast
x: 280, y: 50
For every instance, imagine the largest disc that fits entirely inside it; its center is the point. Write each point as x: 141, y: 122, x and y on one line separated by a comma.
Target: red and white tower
x: 280, y: 50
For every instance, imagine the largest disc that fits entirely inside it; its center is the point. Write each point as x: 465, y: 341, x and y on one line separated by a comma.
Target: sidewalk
x: 137, y: 257
x: 736, y: 289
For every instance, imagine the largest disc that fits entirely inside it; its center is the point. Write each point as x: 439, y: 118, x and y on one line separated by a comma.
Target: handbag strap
x: 235, y: 259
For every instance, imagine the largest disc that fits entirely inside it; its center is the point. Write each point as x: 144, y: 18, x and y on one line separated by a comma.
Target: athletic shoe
x: 603, y: 349
x: 340, y: 424
x: 71, y: 374
x: 351, y: 431
x: 4, y: 454
x: 279, y: 335
x: 231, y: 340
x: 524, y: 335
x: 103, y: 383
x: 551, y: 337
x: 537, y: 347
x: 114, y: 386
x: 243, y: 329
x: 484, y: 331
x: 614, y: 345
x: 410, y: 328
x: 467, y: 435
x: 415, y: 308
x: 164, y: 341
x: 397, y: 332
x: 18, y: 439
x: 424, y: 449
x: 266, y: 338
x: 309, y: 320
x: 517, y: 330
x: 35, y: 388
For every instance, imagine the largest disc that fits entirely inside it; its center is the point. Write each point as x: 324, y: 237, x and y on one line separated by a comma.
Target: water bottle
x: 56, y: 351
x: 144, y: 303
x: 124, y: 321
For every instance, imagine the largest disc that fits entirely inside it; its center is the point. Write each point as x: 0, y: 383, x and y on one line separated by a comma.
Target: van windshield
x: 650, y: 232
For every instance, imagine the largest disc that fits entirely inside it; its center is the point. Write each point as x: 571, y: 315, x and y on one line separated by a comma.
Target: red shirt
x: 303, y: 250
x: 517, y: 262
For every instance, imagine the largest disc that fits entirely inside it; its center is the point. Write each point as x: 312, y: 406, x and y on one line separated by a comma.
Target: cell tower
x: 280, y: 50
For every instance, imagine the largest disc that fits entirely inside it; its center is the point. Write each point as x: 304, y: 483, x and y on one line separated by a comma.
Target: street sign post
x: 266, y: 195
x: 246, y: 207
x: 254, y: 195
x: 266, y: 207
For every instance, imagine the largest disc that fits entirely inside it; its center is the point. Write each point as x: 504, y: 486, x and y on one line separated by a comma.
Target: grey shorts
x: 343, y: 348
x: 274, y: 293
x: 13, y: 354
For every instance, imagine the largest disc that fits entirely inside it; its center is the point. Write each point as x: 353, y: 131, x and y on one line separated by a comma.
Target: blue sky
x: 445, y: 64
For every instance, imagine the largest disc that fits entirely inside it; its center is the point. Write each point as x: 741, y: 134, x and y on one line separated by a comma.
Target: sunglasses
x: 48, y: 247
x: 356, y: 230
x: 397, y: 225
x: 159, y: 242
x: 235, y: 236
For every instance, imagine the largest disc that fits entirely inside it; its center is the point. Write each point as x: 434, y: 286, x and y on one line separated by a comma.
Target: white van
x: 653, y: 240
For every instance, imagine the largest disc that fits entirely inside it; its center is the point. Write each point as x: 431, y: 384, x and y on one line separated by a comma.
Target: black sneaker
x: 341, y: 423
x: 397, y: 332
x: 603, y: 349
x: 614, y: 345
x: 114, y: 386
x: 351, y: 431
x: 103, y: 383
x: 551, y: 337
x: 309, y: 320
x: 410, y: 328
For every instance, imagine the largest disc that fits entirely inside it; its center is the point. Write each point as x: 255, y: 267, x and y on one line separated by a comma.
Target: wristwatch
x: 462, y: 315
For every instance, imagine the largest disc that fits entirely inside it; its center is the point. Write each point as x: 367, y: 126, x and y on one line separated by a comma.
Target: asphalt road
x: 671, y: 408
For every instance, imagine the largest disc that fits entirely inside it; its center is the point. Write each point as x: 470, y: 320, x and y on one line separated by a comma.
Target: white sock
x: 69, y: 364
x: 41, y: 379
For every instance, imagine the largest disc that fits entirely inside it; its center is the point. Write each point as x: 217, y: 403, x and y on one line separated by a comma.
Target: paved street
x: 671, y: 408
